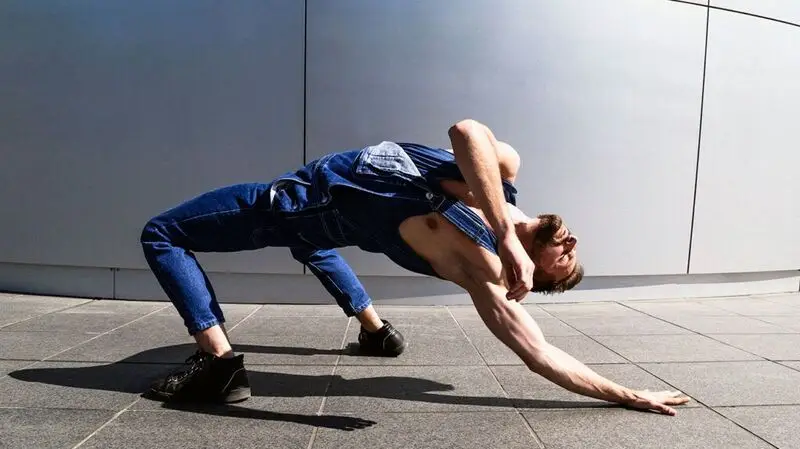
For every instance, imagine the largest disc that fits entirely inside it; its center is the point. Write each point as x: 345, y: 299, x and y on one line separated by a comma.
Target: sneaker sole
x: 237, y: 395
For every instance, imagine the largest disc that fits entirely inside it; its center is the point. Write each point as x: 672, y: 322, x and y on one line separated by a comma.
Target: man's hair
x: 549, y: 287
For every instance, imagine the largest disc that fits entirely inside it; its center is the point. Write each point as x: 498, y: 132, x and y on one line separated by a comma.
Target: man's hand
x: 657, y: 400
x: 517, y: 266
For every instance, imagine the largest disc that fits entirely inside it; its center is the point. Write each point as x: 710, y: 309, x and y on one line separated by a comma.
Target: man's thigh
x: 232, y: 218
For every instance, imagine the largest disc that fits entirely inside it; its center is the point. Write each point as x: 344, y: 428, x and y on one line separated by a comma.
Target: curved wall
x: 662, y: 131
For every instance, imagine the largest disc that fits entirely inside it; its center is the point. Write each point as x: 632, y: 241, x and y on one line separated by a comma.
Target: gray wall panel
x: 601, y: 98
x: 748, y: 192
x: 788, y: 10
x: 63, y: 281
x: 113, y: 111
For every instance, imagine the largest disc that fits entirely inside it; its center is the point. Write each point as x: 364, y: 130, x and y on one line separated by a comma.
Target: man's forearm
x: 564, y: 370
x: 514, y: 326
x: 477, y: 159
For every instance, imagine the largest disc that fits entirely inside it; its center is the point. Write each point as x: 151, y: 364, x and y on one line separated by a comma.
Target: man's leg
x: 234, y: 218
x: 377, y: 335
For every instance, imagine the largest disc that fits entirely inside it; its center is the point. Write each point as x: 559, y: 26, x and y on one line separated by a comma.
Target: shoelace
x: 195, y: 362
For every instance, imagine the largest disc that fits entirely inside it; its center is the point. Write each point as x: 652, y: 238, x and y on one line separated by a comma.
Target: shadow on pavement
x: 123, y: 376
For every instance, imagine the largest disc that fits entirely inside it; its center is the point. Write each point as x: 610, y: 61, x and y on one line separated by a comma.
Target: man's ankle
x: 370, y: 320
x: 214, y: 341
x: 225, y: 355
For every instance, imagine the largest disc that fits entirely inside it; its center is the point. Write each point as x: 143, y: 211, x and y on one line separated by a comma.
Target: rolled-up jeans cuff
x: 203, y: 325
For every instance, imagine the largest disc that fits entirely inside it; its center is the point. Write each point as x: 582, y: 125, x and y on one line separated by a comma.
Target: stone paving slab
x: 727, y: 325
x: 580, y: 347
x: 7, y: 366
x: 770, y: 346
x: 552, y: 327
x: 622, y: 429
x: 778, y: 425
x: 795, y: 365
x: 132, y: 344
x: 67, y: 321
x: 756, y: 307
x: 623, y: 325
x: 789, y: 322
x: 38, y: 345
x: 15, y: 308
x: 456, y: 386
x: 433, y: 430
x: 77, y: 385
x: 677, y: 309
x: 415, y: 389
x: 673, y: 348
x: 432, y: 340
x: 732, y: 383
x: 188, y: 429
x: 591, y: 309
x: 26, y: 428
x: 290, y: 340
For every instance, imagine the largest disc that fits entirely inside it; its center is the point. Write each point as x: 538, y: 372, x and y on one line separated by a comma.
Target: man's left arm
x: 515, y: 328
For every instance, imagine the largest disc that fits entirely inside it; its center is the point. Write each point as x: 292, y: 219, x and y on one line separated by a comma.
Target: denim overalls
x: 353, y: 198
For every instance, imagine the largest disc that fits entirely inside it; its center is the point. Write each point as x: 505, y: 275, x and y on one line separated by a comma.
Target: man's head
x: 554, y: 253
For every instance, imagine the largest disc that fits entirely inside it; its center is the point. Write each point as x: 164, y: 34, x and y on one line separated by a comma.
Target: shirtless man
x: 450, y: 214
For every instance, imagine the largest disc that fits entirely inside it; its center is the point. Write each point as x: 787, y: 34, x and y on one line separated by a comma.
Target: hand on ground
x: 659, y: 401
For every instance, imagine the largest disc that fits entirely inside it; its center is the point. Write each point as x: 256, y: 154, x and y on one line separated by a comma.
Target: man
x: 448, y: 214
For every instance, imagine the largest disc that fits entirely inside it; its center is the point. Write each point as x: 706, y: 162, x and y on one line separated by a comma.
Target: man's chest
x: 449, y: 251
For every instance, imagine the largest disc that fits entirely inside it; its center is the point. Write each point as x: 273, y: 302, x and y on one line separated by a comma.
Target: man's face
x: 554, y: 248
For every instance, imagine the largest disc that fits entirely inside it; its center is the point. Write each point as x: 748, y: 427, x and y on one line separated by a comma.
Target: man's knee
x: 152, y: 232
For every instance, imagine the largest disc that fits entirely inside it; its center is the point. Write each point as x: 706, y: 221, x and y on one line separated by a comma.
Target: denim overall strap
x: 466, y: 220
x: 423, y: 167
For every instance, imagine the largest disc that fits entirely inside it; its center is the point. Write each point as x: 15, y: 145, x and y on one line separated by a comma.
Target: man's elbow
x: 463, y: 129
x: 509, y: 160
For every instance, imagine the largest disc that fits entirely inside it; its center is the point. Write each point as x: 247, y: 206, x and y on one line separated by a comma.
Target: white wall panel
x: 601, y: 98
x: 748, y: 193
x: 113, y: 111
x: 788, y: 10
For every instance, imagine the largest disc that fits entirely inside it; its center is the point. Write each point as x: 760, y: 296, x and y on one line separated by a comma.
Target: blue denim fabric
x: 353, y: 198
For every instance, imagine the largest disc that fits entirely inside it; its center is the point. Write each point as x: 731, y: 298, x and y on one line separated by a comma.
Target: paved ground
x: 71, y: 372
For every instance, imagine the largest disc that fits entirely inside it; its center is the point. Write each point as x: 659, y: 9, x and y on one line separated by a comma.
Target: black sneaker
x: 386, y: 341
x: 206, y: 379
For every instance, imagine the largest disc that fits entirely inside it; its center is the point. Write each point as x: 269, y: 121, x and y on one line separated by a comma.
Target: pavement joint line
x: 714, y: 410
x: 314, y: 431
x: 116, y: 415
x: 706, y: 335
x: 246, y: 318
x: 383, y: 412
x: 104, y: 333
x: 499, y: 384
x: 44, y: 314
x: 755, y: 406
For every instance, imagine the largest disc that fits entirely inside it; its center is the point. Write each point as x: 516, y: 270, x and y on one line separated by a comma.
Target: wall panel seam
x: 699, y: 143
x: 754, y: 15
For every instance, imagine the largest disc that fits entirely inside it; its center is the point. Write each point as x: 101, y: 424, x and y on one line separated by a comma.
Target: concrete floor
x: 72, y: 370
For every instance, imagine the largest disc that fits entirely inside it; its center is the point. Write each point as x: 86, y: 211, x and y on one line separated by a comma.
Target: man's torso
x: 409, y: 203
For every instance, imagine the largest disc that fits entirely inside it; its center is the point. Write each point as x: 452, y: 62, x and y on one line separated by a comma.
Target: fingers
x: 677, y: 400
x: 663, y: 409
x: 517, y: 293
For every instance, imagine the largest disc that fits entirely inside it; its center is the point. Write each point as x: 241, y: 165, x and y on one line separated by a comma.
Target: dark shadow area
x: 346, y: 423
x: 134, y: 374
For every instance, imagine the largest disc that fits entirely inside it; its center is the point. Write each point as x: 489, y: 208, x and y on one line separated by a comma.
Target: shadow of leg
x: 347, y: 423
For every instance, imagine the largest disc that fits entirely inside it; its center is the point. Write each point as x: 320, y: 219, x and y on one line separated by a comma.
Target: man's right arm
x: 513, y: 325
x: 476, y: 154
